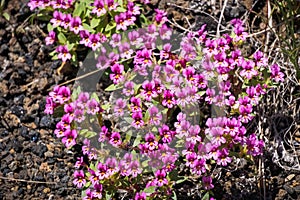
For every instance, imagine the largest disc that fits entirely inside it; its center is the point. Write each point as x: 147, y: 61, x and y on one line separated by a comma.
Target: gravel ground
x: 35, y: 165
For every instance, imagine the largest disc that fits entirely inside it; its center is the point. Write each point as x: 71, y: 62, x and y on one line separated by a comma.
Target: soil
x: 35, y: 164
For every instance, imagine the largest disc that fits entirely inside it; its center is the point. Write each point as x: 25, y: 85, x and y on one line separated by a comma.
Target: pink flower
x: 75, y: 25
x: 121, y: 23
x: 119, y: 107
x: 34, y: 4
x: 92, y: 107
x: 101, y: 172
x: 115, y: 139
x: 223, y: 158
x: 115, y: 40
x: 160, y: 178
x: 134, y: 168
x: 63, y: 53
x: 79, y: 115
x: 143, y: 57
x: 51, y: 38
x: 155, y: 117
x: 169, y: 99
x: 128, y: 88
x: 248, y: 70
x: 134, y: 38
x: 111, y: 5
x: 57, y: 18
x: 135, y: 104
x: 133, y: 8
x: 97, y: 193
x: 222, y: 44
x: 183, y: 128
x: 67, y: 18
x: 276, y: 74
x: 137, y: 120
x: 99, y: 8
x: 140, y: 196
x: 117, y: 73
x: 210, y: 47
x: 129, y: 18
x: 161, y: 16
x: 166, y: 51
x: 94, y: 41
x: 254, y: 146
x: 151, y: 143
x: 207, y: 183
x: 85, y: 37
x: 148, y: 91
x: 190, y: 159
x: 189, y: 74
x: 79, y: 179
x: 193, y: 136
x: 260, y: 60
x: 69, y: 138
x: 112, y: 166
x: 166, y: 134
x: 165, y: 32
x: 104, y: 134
x: 199, y: 166
x: 210, y: 94
x: 125, y: 50
x: 89, y: 194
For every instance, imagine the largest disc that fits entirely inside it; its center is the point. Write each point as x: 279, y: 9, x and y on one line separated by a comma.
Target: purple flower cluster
x: 74, y: 112
x: 168, y: 80
x: 72, y: 25
x: 110, y: 169
x: 57, y: 97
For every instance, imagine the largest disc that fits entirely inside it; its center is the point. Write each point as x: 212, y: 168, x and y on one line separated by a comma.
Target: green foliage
x: 288, y: 12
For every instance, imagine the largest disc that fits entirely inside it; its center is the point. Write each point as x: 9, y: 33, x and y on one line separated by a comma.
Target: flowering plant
x: 79, y: 25
x: 155, y: 122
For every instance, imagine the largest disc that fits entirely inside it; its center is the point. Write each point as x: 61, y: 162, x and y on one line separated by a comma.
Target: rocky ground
x: 35, y: 165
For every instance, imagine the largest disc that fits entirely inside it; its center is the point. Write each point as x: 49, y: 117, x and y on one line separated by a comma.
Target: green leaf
x: 88, y: 28
x: 112, y: 87
x: 110, y: 26
x: 44, y: 17
x: 87, y: 133
x: 49, y: 27
x: 150, y: 189
x: 108, y: 196
x: 137, y: 141
x: 83, y: 131
x: 201, y: 93
x: 128, y: 136
x: 75, y: 93
x: 147, y: 116
x: 206, y: 196
x: 70, y: 46
x: 95, y: 96
x: 181, y: 180
x: 175, y: 196
x: 52, y: 53
x: 95, y: 22
x: 105, y: 106
x: 79, y: 8
x: 6, y: 16
x: 55, y: 57
x: 121, y: 9
x: 144, y: 20
x: 62, y: 38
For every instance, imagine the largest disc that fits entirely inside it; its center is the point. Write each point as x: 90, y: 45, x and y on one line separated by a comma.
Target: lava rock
x: 18, y: 111
x: 39, y: 150
x: 46, y: 122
